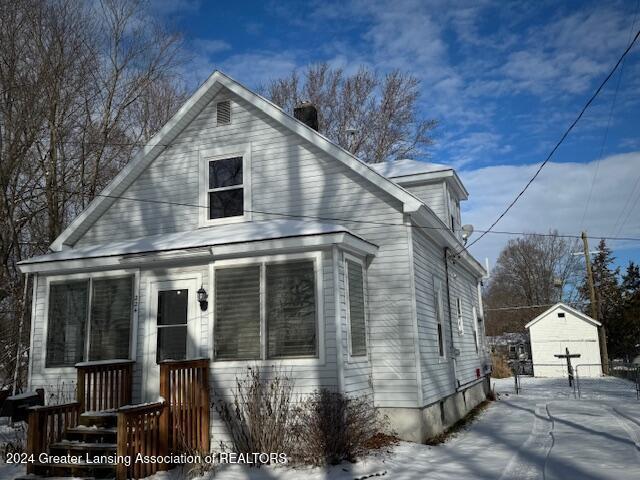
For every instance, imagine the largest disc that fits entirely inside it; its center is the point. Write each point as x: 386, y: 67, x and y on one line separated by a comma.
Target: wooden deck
x: 102, y: 418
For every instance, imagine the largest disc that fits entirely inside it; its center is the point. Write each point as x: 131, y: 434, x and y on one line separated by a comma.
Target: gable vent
x: 223, y: 112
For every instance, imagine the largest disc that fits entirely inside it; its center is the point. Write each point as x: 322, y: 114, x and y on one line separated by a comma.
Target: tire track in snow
x: 529, y: 462
x: 630, y: 425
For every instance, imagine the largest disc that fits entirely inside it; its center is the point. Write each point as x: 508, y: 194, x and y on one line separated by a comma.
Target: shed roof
x: 205, y: 237
x: 566, y: 308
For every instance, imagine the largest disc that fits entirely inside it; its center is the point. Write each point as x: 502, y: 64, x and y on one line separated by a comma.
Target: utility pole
x: 604, y: 355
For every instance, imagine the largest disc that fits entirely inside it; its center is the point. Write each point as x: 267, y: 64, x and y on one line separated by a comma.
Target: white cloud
x: 556, y: 200
x: 211, y: 46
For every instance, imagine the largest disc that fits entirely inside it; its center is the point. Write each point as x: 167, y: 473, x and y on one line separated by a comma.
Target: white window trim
x: 474, y: 319
x: 439, y: 308
x: 365, y: 357
x: 320, y: 325
x: 133, y: 333
x: 220, y: 153
x: 148, y: 361
x: 460, y: 315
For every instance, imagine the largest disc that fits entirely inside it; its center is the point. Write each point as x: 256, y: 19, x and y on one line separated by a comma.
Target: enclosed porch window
x: 89, y: 320
x: 266, y: 311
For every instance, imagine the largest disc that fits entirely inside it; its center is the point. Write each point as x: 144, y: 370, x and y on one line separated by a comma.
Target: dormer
x: 437, y: 185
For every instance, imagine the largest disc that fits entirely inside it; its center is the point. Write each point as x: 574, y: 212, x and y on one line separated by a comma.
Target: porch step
x: 83, y: 448
x: 39, y: 477
x: 90, y: 434
x: 82, y: 470
x: 108, y: 419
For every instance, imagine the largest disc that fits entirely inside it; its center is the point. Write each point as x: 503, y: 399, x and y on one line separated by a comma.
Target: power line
x: 557, y: 145
x: 338, y: 219
x: 526, y: 307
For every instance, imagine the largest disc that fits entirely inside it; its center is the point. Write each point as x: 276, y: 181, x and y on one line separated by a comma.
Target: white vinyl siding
x: 432, y: 194
x: 288, y: 176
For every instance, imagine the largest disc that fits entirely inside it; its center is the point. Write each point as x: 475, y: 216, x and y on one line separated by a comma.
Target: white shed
x: 560, y: 328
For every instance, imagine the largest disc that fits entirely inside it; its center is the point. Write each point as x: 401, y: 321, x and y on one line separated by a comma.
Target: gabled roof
x: 192, y: 107
x: 406, y: 167
x: 182, y: 118
x: 407, y: 172
x: 567, y: 309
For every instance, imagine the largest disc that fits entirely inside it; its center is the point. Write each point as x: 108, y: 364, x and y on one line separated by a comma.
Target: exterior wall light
x: 202, y: 298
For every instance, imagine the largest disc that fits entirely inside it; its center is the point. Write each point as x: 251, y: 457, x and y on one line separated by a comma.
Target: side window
x: 459, y: 315
x: 439, y: 311
x: 356, y: 307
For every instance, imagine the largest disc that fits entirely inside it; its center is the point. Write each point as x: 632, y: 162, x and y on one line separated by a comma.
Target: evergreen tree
x: 608, y: 297
x: 629, y: 324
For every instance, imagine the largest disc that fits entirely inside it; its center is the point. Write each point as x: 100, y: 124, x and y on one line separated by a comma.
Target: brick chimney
x: 307, y: 113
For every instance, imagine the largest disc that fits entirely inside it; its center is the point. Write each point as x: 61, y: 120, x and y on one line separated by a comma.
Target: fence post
x: 81, y: 388
x: 121, y: 449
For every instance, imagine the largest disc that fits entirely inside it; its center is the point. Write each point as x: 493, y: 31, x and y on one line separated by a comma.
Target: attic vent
x: 223, y: 112
x: 561, y: 315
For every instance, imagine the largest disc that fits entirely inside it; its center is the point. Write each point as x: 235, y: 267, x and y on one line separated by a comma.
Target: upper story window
x: 226, y: 189
x: 224, y: 185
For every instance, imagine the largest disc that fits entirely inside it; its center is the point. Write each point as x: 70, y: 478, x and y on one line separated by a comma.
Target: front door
x: 172, y: 324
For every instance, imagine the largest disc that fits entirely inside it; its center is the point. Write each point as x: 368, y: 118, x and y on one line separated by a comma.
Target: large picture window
x: 89, y: 320
x: 266, y: 311
x: 356, y: 308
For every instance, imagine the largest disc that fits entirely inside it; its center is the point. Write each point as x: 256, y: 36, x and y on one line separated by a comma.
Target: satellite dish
x: 467, y: 230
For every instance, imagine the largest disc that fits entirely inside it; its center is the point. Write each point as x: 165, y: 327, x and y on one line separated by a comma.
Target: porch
x: 102, y: 421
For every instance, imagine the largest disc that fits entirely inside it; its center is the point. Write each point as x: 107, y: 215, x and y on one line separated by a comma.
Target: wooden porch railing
x: 142, y: 429
x: 184, y: 385
x: 47, y: 425
x: 104, y: 386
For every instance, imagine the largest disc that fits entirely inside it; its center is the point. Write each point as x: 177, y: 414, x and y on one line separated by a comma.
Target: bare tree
x: 82, y: 85
x: 373, y: 116
x: 530, y: 270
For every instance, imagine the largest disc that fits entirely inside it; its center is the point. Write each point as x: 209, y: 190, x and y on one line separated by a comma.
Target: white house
x: 557, y: 329
x: 353, y: 277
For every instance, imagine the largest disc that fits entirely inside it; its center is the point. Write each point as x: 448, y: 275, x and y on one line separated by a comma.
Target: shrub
x: 501, y: 368
x: 332, y: 427
x: 261, y: 416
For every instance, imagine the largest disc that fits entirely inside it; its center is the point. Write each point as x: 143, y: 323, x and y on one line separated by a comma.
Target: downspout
x: 453, y: 353
x: 338, y: 315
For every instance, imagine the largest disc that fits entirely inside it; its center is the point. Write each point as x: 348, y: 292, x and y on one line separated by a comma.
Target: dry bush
x: 501, y: 368
x: 261, y: 416
x: 13, y: 439
x: 332, y: 427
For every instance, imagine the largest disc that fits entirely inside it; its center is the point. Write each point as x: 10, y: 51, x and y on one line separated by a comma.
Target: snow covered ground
x: 543, y: 433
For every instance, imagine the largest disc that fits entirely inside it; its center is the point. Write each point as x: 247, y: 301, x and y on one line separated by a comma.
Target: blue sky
x: 504, y: 79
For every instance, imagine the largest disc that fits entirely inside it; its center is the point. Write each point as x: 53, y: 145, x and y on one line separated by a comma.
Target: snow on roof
x: 205, y: 237
x: 406, y: 167
x: 566, y: 308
